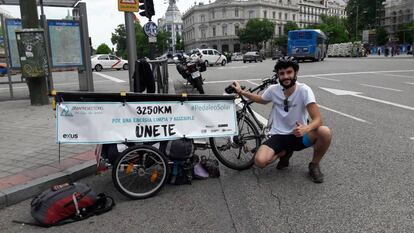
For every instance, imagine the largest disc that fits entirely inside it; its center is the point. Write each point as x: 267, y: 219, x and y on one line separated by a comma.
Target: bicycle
x: 249, y: 138
x: 141, y: 170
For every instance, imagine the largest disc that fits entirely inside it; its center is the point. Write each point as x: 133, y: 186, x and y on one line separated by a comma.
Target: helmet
x: 286, y: 62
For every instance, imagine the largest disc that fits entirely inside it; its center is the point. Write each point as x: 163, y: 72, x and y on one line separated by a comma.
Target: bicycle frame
x: 246, y: 103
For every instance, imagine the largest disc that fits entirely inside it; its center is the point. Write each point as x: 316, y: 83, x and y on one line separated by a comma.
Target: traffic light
x: 148, y: 8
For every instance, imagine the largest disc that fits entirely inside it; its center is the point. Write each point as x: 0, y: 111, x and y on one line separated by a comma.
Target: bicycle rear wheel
x: 237, y: 152
x: 140, y: 172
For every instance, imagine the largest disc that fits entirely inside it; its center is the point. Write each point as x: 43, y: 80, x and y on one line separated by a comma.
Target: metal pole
x: 83, y: 15
x: 6, y: 51
x: 131, y: 48
x: 43, y: 21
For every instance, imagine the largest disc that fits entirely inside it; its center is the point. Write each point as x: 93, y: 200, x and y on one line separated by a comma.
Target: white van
x: 213, y: 57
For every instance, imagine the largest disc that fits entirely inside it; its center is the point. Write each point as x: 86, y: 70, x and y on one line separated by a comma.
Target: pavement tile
x: 17, y: 169
x: 40, y: 171
x: 4, y: 186
x: 89, y: 155
x: 15, y: 179
x: 5, y: 174
x: 65, y: 163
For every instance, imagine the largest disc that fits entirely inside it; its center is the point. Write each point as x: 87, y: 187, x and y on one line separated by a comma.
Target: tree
x: 289, y: 26
x: 406, y: 33
x: 162, y: 41
x: 118, y: 38
x: 257, y: 31
x: 382, y: 36
x: 365, y: 13
x: 103, y: 49
x: 334, y: 27
x: 281, y: 41
x: 179, y: 45
x: 142, y: 43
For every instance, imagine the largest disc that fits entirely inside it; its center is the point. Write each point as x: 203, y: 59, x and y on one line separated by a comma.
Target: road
x: 369, y: 169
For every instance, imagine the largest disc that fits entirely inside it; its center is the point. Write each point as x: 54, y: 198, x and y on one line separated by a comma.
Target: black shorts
x: 288, y: 143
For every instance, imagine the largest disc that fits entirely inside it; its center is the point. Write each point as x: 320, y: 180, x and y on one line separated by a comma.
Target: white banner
x: 114, y: 122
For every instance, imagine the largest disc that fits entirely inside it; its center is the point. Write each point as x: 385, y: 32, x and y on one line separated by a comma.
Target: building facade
x: 397, y: 12
x: 336, y: 8
x: 310, y: 11
x: 172, y: 23
x: 215, y: 25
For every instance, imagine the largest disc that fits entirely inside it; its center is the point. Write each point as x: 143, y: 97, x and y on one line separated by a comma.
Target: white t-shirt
x: 285, y: 122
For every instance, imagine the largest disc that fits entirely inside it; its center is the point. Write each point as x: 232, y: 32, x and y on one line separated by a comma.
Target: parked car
x: 237, y: 57
x: 107, y: 61
x: 252, y: 56
x: 277, y: 54
x: 212, y: 57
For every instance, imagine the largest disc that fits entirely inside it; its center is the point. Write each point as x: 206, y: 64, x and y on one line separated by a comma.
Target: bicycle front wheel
x: 237, y: 152
x: 140, y: 172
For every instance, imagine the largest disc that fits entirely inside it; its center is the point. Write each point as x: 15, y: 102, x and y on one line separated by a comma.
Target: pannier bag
x: 181, y: 149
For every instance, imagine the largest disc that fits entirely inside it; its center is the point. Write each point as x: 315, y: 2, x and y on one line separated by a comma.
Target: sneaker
x: 315, y: 173
x: 284, y: 161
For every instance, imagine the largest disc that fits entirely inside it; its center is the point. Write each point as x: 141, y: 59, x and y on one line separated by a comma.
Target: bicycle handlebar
x: 265, y: 83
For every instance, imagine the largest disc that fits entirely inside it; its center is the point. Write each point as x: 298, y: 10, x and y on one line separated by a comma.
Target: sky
x: 104, y: 17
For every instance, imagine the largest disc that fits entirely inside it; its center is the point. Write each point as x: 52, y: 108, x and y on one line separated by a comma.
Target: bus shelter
x: 82, y: 62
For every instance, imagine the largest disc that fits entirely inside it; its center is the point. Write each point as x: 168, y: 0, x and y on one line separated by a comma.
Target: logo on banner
x: 66, y: 112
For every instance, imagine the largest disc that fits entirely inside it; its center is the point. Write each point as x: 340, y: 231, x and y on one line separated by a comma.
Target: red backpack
x: 67, y: 203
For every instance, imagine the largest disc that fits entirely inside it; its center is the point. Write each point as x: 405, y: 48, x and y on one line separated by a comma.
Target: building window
x: 251, y: 14
x: 286, y: 16
x: 203, y: 33
x: 280, y: 15
x: 202, y: 18
x: 289, y: 2
x: 236, y: 12
x: 265, y: 14
x: 280, y: 30
x: 280, y: 1
x: 274, y: 14
x: 224, y: 12
x: 224, y: 30
x: 236, y: 29
x: 214, y: 31
x: 294, y: 17
x: 213, y: 15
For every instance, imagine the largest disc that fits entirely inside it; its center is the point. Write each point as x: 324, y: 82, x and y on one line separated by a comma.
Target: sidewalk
x: 29, y: 155
x: 405, y: 56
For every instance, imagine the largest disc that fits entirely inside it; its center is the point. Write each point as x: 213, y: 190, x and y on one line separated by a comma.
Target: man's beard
x: 291, y: 84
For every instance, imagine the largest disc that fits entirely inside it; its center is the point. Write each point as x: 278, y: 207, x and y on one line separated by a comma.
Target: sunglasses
x: 287, y: 72
x: 286, y: 107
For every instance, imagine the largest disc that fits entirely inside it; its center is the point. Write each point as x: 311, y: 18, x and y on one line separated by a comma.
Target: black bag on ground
x: 180, y: 149
x: 211, y: 165
x: 181, y: 172
x: 67, y: 203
